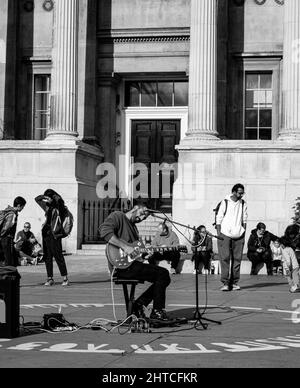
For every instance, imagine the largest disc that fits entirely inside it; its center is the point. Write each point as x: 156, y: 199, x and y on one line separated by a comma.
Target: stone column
x: 8, y: 55
x: 203, y: 72
x: 65, y: 71
x: 291, y: 72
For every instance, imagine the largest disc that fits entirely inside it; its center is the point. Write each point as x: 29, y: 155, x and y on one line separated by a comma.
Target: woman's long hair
x: 58, y: 202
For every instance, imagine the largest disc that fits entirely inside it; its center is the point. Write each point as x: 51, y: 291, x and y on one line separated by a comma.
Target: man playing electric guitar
x: 120, y: 230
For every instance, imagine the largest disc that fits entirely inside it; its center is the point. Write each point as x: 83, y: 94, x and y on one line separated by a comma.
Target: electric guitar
x: 119, y: 259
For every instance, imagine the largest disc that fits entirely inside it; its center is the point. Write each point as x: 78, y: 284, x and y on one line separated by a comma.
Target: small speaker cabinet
x: 9, y: 307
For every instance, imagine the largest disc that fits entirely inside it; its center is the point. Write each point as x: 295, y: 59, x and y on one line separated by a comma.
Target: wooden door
x: 154, y: 142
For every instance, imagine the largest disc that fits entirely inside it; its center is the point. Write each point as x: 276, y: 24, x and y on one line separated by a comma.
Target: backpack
x: 216, y: 210
x: 68, y: 223
x: 3, y: 215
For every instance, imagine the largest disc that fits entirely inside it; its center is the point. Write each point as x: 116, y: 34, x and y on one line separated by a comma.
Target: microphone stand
x: 197, y: 314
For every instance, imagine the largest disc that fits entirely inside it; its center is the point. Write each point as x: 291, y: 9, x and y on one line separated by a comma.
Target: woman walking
x: 52, y: 233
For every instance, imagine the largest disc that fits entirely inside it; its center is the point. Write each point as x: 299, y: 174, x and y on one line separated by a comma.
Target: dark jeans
x: 9, y: 254
x: 224, y: 248
x: 258, y: 260
x: 202, y: 257
x: 173, y: 257
x: 53, y: 248
x: 151, y: 273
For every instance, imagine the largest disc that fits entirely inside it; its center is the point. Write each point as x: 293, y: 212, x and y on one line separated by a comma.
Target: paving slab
x: 260, y: 324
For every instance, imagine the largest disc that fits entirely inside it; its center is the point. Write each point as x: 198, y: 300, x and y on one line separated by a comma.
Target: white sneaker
x: 49, y: 283
x: 65, y: 283
x: 236, y: 287
x: 206, y: 272
x: 293, y: 288
x: 225, y: 288
x: 194, y: 272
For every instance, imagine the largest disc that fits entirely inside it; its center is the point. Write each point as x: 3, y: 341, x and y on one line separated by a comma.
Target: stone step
x: 94, y: 247
x: 92, y: 250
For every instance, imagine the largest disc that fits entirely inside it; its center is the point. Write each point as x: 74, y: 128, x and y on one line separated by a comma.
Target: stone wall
x: 269, y: 171
x: 29, y: 168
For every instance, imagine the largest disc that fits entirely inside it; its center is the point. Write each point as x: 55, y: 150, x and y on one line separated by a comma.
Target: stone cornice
x: 242, y: 146
x: 145, y: 35
x: 50, y: 146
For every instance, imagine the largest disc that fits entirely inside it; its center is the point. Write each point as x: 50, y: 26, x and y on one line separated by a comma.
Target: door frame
x: 131, y: 114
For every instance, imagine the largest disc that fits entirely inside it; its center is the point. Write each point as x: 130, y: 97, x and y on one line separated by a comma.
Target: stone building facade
x: 212, y: 85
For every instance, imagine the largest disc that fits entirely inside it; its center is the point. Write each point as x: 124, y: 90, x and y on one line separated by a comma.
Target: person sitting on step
x: 166, y: 238
x: 259, y: 251
x: 203, y: 253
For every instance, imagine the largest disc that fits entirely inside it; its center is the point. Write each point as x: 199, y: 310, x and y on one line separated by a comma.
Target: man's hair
x: 261, y: 226
x: 201, y: 227
x: 238, y: 186
x: 19, y: 201
x: 27, y: 223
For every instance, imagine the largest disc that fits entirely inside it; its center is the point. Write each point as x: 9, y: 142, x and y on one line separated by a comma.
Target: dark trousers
x: 202, y: 257
x: 159, y: 277
x: 258, y: 260
x: 173, y: 257
x: 8, y: 251
x: 226, y: 247
x: 53, y: 248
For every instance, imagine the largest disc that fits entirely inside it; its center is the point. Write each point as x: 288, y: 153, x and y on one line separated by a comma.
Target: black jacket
x: 55, y: 222
x: 255, y: 242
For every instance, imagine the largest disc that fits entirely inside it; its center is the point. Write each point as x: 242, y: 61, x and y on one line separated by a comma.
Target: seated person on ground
x: 202, y: 257
x: 276, y: 250
x: 290, y: 265
x: 259, y: 251
x: 28, y: 249
x: 166, y: 238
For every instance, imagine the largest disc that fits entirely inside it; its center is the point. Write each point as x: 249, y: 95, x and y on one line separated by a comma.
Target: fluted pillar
x: 65, y: 69
x: 291, y: 72
x: 203, y: 71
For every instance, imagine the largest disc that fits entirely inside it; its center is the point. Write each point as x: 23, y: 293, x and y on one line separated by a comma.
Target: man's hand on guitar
x: 128, y: 250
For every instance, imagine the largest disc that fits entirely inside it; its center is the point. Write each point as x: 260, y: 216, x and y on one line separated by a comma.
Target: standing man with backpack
x: 231, y: 223
x: 58, y: 225
x: 8, y: 228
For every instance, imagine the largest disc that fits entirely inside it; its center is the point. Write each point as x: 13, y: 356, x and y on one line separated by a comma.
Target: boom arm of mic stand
x: 184, y: 226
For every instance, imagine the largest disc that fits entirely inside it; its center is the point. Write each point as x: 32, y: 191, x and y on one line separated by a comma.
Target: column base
x: 290, y: 136
x: 199, y: 137
x: 61, y: 135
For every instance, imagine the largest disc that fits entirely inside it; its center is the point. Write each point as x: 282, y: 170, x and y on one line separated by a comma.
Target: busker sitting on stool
x: 203, y: 253
x: 259, y: 249
x: 28, y: 249
x: 120, y: 230
x: 166, y: 238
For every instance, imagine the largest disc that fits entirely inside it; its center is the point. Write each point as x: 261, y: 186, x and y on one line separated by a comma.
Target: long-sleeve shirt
x: 232, y: 220
x: 170, y: 240
x: 289, y: 259
x: 276, y: 252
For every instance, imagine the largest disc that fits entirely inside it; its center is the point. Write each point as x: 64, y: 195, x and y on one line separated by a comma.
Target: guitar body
x: 120, y: 260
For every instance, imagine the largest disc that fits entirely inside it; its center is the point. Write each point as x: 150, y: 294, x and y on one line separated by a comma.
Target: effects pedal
x: 140, y: 326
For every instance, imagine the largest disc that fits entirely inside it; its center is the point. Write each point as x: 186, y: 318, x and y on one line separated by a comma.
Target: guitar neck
x: 160, y: 249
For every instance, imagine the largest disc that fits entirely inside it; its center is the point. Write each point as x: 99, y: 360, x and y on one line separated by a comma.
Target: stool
x: 129, y: 298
